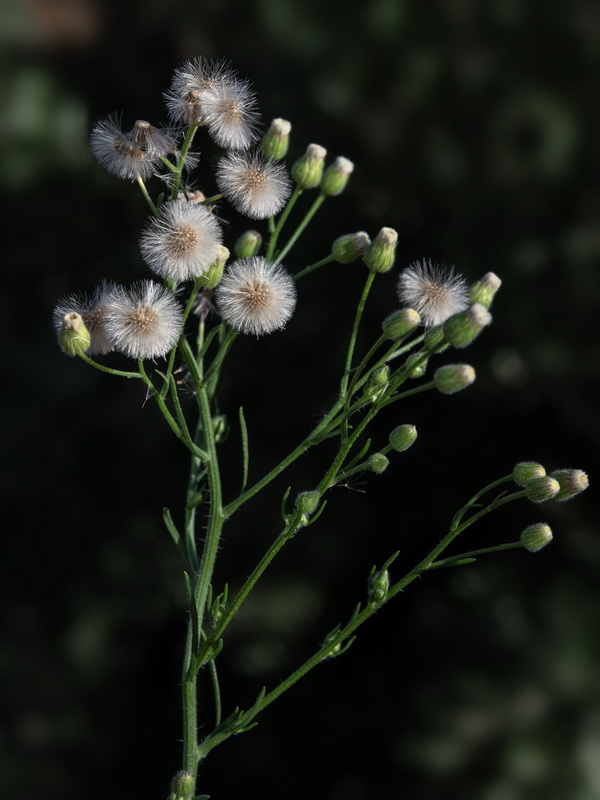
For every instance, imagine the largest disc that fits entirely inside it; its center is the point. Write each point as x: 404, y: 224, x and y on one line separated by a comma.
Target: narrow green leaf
x: 245, y: 452
x: 283, y: 503
x: 171, y: 527
x: 193, y: 612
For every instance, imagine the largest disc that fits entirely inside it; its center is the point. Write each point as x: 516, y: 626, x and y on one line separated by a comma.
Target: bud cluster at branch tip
x: 452, y: 378
x: 463, y: 328
x: 538, y: 490
x: 525, y: 471
x: 73, y: 336
x: 336, y: 176
x: 378, y: 463
x: 403, y: 437
x: 350, y: 247
x: 248, y: 244
x: 400, y: 323
x: 381, y: 254
x: 275, y: 142
x: 571, y: 481
x: 536, y: 536
x: 484, y: 290
x: 307, y: 171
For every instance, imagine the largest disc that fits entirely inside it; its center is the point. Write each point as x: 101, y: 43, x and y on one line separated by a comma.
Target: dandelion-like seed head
x: 255, y: 186
x: 182, y: 242
x: 256, y: 297
x: 93, y: 313
x: 435, y: 291
x: 144, y: 322
x: 133, y: 154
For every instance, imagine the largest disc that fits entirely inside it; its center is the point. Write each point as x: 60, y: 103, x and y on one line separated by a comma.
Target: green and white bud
x: 248, y: 245
x: 534, y: 537
x: 182, y: 786
x: 399, y: 324
x: 212, y: 276
x: 403, y: 437
x: 538, y: 490
x: 381, y: 254
x: 377, y: 383
x: 350, y: 247
x: 336, y: 176
x: 463, y: 328
x: 416, y: 365
x: 73, y: 336
x: 572, y: 482
x: 525, y: 471
x: 452, y: 378
x: 308, y: 170
x: 378, y: 587
x: 307, y: 502
x: 484, y: 290
x: 275, y: 142
x: 378, y: 463
x: 435, y: 340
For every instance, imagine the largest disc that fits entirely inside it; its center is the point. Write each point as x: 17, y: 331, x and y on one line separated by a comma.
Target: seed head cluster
x: 255, y: 186
x: 435, y: 291
x: 256, y: 297
x: 133, y: 154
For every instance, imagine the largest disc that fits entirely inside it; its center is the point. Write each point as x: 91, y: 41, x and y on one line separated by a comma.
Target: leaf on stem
x: 193, y: 612
x: 245, y: 453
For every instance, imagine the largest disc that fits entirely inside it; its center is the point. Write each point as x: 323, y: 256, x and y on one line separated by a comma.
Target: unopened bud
x: 73, y: 336
x: 416, y: 365
x: 538, y: 490
x: 403, y: 437
x: 307, y: 502
x: 462, y: 328
x: 399, y: 324
x: 275, y: 142
x: 381, y: 254
x: 182, y: 786
x: 377, y: 383
x: 452, y: 378
x: 378, y: 463
x: 572, y: 482
x: 484, y: 290
x: 335, y: 177
x: 212, y: 276
x: 308, y: 170
x: 435, y: 340
x: 248, y: 245
x: 534, y: 537
x: 525, y: 471
x: 350, y: 247
x: 378, y: 587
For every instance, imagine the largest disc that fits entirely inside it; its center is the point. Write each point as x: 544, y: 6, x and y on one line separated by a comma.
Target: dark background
x: 474, y: 130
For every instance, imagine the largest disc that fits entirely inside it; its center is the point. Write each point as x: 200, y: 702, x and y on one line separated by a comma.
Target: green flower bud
x: 538, y: 490
x: 524, y: 471
x: 378, y: 463
x: 484, y: 290
x: 572, y: 482
x: 453, y: 378
x: 212, y: 276
x: 307, y: 502
x: 308, y: 170
x: 350, y: 247
x: 378, y: 587
x: 534, y: 537
x: 335, y: 178
x: 377, y: 383
x: 73, y: 337
x: 403, y: 437
x: 462, y: 328
x: 420, y: 365
x: 274, y: 143
x: 399, y: 324
x: 435, y: 340
x: 248, y: 245
x: 182, y: 786
x: 381, y: 254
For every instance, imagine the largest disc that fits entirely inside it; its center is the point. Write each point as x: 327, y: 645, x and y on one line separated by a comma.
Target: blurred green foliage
x: 473, y: 129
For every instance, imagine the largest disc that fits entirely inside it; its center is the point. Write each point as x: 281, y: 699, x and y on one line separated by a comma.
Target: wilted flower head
x: 182, y: 242
x: 144, y: 322
x: 133, y: 154
x: 434, y: 290
x: 255, y: 296
x: 256, y: 187
x: 215, y: 96
x: 93, y: 313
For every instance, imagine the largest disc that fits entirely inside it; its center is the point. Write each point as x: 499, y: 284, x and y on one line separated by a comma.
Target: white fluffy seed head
x: 144, y: 322
x: 229, y: 111
x: 182, y: 242
x: 93, y: 313
x: 133, y: 154
x: 256, y: 297
x: 435, y: 291
x: 255, y: 186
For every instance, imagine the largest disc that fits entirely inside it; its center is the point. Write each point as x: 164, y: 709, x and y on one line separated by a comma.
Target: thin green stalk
x: 275, y: 229
x: 448, y: 562
x: 110, y: 371
x: 189, y: 137
x: 357, y: 319
x: 300, y: 229
x: 307, y: 270
x: 149, y: 200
